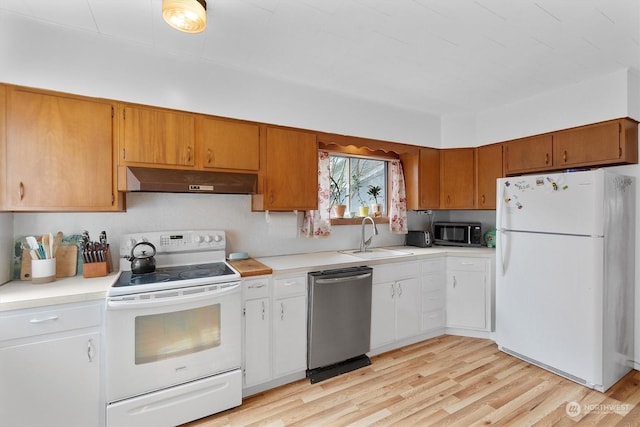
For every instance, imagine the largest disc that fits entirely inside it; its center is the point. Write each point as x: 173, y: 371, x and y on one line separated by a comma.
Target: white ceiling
x: 435, y: 56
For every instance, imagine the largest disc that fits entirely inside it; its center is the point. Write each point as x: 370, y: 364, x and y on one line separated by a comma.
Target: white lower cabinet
x: 274, y: 328
x: 395, y: 303
x: 257, y: 330
x: 468, y: 293
x: 290, y: 335
x: 50, y: 366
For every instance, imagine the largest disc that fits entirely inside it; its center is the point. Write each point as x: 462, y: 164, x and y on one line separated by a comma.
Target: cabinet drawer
x: 435, y: 265
x: 432, y: 320
x: 28, y: 323
x: 395, y: 271
x: 433, y: 300
x: 466, y: 264
x: 286, y: 286
x: 255, y: 288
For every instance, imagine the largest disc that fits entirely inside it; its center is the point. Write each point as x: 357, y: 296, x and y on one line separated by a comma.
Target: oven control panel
x: 176, y: 241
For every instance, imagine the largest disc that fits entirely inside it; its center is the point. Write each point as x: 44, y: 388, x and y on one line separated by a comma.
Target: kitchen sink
x: 376, y: 253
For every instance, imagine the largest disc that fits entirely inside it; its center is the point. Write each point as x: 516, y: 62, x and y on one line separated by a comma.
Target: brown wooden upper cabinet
x: 226, y: 144
x: 154, y: 136
x: 457, y: 178
x: 488, y: 170
x: 422, y: 178
x: 609, y: 143
x: 530, y: 154
x: 60, y: 153
x: 600, y: 144
x: 290, y: 180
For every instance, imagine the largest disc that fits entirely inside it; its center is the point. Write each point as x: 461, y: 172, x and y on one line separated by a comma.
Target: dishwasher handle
x: 341, y: 279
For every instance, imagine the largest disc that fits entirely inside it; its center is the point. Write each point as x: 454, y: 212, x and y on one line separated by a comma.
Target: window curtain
x: 398, y: 208
x: 318, y: 223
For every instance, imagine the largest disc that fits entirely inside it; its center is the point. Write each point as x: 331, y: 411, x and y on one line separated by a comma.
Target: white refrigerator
x: 565, y: 273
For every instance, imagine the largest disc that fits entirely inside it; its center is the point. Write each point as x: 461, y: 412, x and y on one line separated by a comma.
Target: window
x: 354, y: 181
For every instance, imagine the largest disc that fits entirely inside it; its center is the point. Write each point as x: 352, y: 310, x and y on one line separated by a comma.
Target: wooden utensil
x: 46, y: 246
x: 57, y: 241
x: 66, y: 260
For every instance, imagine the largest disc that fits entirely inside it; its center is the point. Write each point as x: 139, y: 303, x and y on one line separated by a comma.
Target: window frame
x: 383, y: 219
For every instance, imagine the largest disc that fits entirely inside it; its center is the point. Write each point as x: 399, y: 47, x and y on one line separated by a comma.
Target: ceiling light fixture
x: 189, y: 16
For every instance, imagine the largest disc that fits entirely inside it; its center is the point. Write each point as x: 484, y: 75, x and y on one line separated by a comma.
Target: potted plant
x: 337, y: 198
x: 374, y: 192
x: 356, y: 185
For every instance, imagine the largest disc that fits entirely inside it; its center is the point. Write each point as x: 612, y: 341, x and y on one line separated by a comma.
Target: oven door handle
x: 116, y: 303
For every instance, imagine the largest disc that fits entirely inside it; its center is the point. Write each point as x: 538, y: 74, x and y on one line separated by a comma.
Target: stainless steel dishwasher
x: 339, y: 325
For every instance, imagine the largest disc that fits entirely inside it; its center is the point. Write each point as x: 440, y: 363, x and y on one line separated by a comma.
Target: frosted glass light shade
x: 189, y: 16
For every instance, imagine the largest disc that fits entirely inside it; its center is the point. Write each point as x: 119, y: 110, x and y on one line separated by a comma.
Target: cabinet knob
x: 188, y: 154
x: 546, y: 158
x: 209, y: 156
x: 564, y: 156
x: 21, y: 190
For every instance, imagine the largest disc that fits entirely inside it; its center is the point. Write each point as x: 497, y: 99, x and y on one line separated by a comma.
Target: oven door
x: 165, y: 338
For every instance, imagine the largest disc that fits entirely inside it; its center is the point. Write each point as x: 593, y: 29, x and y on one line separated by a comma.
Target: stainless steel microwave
x: 457, y: 233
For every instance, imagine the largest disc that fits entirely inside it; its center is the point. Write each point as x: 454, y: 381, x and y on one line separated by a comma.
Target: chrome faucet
x: 365, y: 244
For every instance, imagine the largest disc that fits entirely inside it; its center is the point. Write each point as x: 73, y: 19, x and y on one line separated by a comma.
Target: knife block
x: 97, y: 269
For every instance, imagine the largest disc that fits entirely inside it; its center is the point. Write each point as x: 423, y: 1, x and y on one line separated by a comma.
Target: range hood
x: 183, y: 181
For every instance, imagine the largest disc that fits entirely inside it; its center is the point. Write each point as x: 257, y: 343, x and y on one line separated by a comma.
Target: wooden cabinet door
x: 291, y: 179
x: 59, y: 152
x: 457, y: 178
x: 157, y: 137
x: 422, y: 178
x: 528, y: 154
x: 588, y: 145
x: 228, y: 145
x: 488, y: 169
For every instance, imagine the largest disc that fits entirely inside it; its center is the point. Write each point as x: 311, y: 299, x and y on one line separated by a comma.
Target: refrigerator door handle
x: 501, y: 204
x: 504, y: 247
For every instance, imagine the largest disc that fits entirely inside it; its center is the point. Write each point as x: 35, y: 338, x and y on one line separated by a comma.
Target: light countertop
x: 19, y: 294
x: 286, y: 264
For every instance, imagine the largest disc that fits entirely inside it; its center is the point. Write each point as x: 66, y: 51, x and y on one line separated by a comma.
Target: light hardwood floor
x: 448, y: 380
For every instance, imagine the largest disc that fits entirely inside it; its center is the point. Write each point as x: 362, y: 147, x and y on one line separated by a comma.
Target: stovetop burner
x: 174, y: 274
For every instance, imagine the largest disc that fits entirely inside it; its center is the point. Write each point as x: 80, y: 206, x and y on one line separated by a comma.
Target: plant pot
x: 376, y: 209
x: 338, y: 210
x: 363, y: 211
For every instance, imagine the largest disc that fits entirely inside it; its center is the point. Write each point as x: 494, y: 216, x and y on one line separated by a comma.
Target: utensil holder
x: 97, y: 269
x: 43, y: 270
